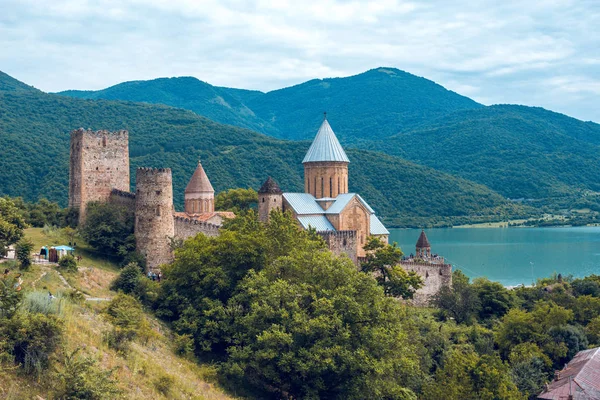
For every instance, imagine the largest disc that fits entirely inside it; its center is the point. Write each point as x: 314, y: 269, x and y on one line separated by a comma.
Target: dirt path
x: 45, y: 271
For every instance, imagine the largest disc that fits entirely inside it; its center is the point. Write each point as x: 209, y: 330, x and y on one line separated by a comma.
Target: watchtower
x: 154, y: 224
x: 270, y: 197
x: 99, y: 163
x: 423, y: 247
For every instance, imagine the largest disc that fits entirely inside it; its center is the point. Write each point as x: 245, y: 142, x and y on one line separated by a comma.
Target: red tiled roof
x: 423, y: 242
x: 580, y: 378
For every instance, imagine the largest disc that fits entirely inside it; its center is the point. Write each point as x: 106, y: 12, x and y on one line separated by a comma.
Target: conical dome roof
x: 270, y: 187
x: 199, y: 183
x: 325, y: 147
x: 423, y: 242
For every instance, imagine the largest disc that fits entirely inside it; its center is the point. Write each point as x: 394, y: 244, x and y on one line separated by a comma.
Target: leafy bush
x: 68, y: 263
x: 183, y: 345
x: 109, y: 229
x: 23, y: 253
x: 82, y: 378
x: 164, y: 383
x: 31, y: 339
x: 132, y: 281
x: 126, y: 314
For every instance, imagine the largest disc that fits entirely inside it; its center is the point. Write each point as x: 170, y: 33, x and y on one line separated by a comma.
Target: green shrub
x: 183, y: 345
x: 82, y: 378
x: 31, y: 339
x: 126, y: 314
x: 74, y: 296
x: 43, y: 303
x: 164, y: 383
x: 10, y: 297
x: 132, y: 281
x: 23, y: 253
x: 68, y: 263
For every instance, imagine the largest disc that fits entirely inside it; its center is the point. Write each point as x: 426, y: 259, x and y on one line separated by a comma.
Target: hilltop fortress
x: 99, y: 172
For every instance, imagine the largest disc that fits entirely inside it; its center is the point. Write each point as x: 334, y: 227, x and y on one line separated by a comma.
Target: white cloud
x: 536, y: 52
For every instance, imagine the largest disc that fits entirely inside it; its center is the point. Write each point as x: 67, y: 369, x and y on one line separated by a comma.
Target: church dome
x: 325, y: 147
x: 199, y: 183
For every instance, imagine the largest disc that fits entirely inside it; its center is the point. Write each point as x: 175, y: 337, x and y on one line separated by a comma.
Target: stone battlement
x: 151, y: 171
x: 120, y: 134
x: 122, y: 193
x: 189, y: 227
x: 339, y: 234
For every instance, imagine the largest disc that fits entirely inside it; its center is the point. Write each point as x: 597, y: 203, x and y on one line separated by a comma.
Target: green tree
x: 383, y: 261
x: 494, y: 299
x: 68, y: 263
x: 23, y: 251
x: 236, y: 200
x: 460, y: 301
x: 466, y: 375
x: 12, y: 224
x: 10, y: 295
x: 109, y: 229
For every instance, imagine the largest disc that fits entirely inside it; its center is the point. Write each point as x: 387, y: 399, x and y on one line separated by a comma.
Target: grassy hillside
x: 522, y: 152
x: 36, y: 126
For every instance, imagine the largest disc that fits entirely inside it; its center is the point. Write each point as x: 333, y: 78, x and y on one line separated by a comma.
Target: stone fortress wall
x: 99, y: 163
x: 434, y: 276
x: 123, y: 199
x: 341, y: 242
x: 188, y: 227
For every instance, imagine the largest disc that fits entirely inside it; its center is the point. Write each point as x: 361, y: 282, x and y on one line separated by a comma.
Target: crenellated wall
x: 154, y: 222
x: 99, y: 163
x: 122, y: 198
x: 435, y: 276
x: 341, y: 242
x: 187, y: 227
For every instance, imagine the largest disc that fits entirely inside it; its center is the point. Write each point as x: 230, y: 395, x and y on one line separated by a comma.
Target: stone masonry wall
x: 154, y: 222
x: 187, y: 227
x: 124, y: 199
x: 325, y: 179
x: 268, y: 202
x: 99, y: 163
x: 341, y: 242
x: 435, y: 276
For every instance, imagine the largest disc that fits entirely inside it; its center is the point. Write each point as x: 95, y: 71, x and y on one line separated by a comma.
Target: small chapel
x: 343, y: 219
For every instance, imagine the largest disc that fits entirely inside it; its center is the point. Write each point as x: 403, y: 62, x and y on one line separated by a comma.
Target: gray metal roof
x: 325, y: 147
x: 303, y: 203
x: 318, y: 222
x: 377, y: 228
x: 342, y: 201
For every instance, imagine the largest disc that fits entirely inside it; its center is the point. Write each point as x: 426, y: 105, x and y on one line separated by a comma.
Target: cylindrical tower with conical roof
x: 199, y: 194
x: 325, y: 165
x: 270, y: 197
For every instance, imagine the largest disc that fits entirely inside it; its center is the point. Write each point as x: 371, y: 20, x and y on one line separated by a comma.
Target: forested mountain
x: 520, y: 152
x: 35, y: 127
x: 378, y: 103
x: 219, y: 104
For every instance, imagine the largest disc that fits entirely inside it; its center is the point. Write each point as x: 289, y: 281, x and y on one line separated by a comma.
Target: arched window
x: 339, y: 191
x: 330, y: 187
x: 158, y: 211
x: 322, y: 187
x: 104, y: 141
x: 308, y: 185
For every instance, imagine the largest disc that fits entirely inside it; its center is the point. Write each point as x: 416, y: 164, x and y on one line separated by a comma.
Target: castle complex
x: 99, y: 172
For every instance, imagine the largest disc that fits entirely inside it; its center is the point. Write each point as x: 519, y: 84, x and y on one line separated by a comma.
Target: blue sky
x: 543, y: 53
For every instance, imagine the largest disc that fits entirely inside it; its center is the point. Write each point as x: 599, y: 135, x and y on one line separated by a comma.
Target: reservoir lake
x: 512, y: 256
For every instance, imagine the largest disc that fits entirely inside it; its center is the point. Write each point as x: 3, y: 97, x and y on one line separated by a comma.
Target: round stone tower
x: 270, y: 197
x: 154, y: 223
x: 325, y: 165
x: 199, y: 193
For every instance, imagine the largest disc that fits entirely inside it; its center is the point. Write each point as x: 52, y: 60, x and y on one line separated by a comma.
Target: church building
x: 344, y: 219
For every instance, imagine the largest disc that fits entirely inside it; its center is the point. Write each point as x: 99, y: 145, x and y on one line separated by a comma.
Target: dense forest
x: 35, y: 127
x: 520, y: 152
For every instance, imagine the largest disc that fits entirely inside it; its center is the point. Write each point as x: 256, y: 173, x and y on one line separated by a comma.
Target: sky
x: 538, y: 53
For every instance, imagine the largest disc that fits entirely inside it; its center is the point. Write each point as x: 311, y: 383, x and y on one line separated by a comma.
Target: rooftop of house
x: 580, y: 378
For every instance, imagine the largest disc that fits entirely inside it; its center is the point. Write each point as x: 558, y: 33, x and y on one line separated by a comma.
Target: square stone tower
x: 99, y: 163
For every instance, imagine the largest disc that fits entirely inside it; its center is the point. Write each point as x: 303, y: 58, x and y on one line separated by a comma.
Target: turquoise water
x: 512, y: 256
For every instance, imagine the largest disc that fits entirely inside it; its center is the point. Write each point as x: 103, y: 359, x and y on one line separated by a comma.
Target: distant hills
x: 520, y: 152
x: 34, y: 133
